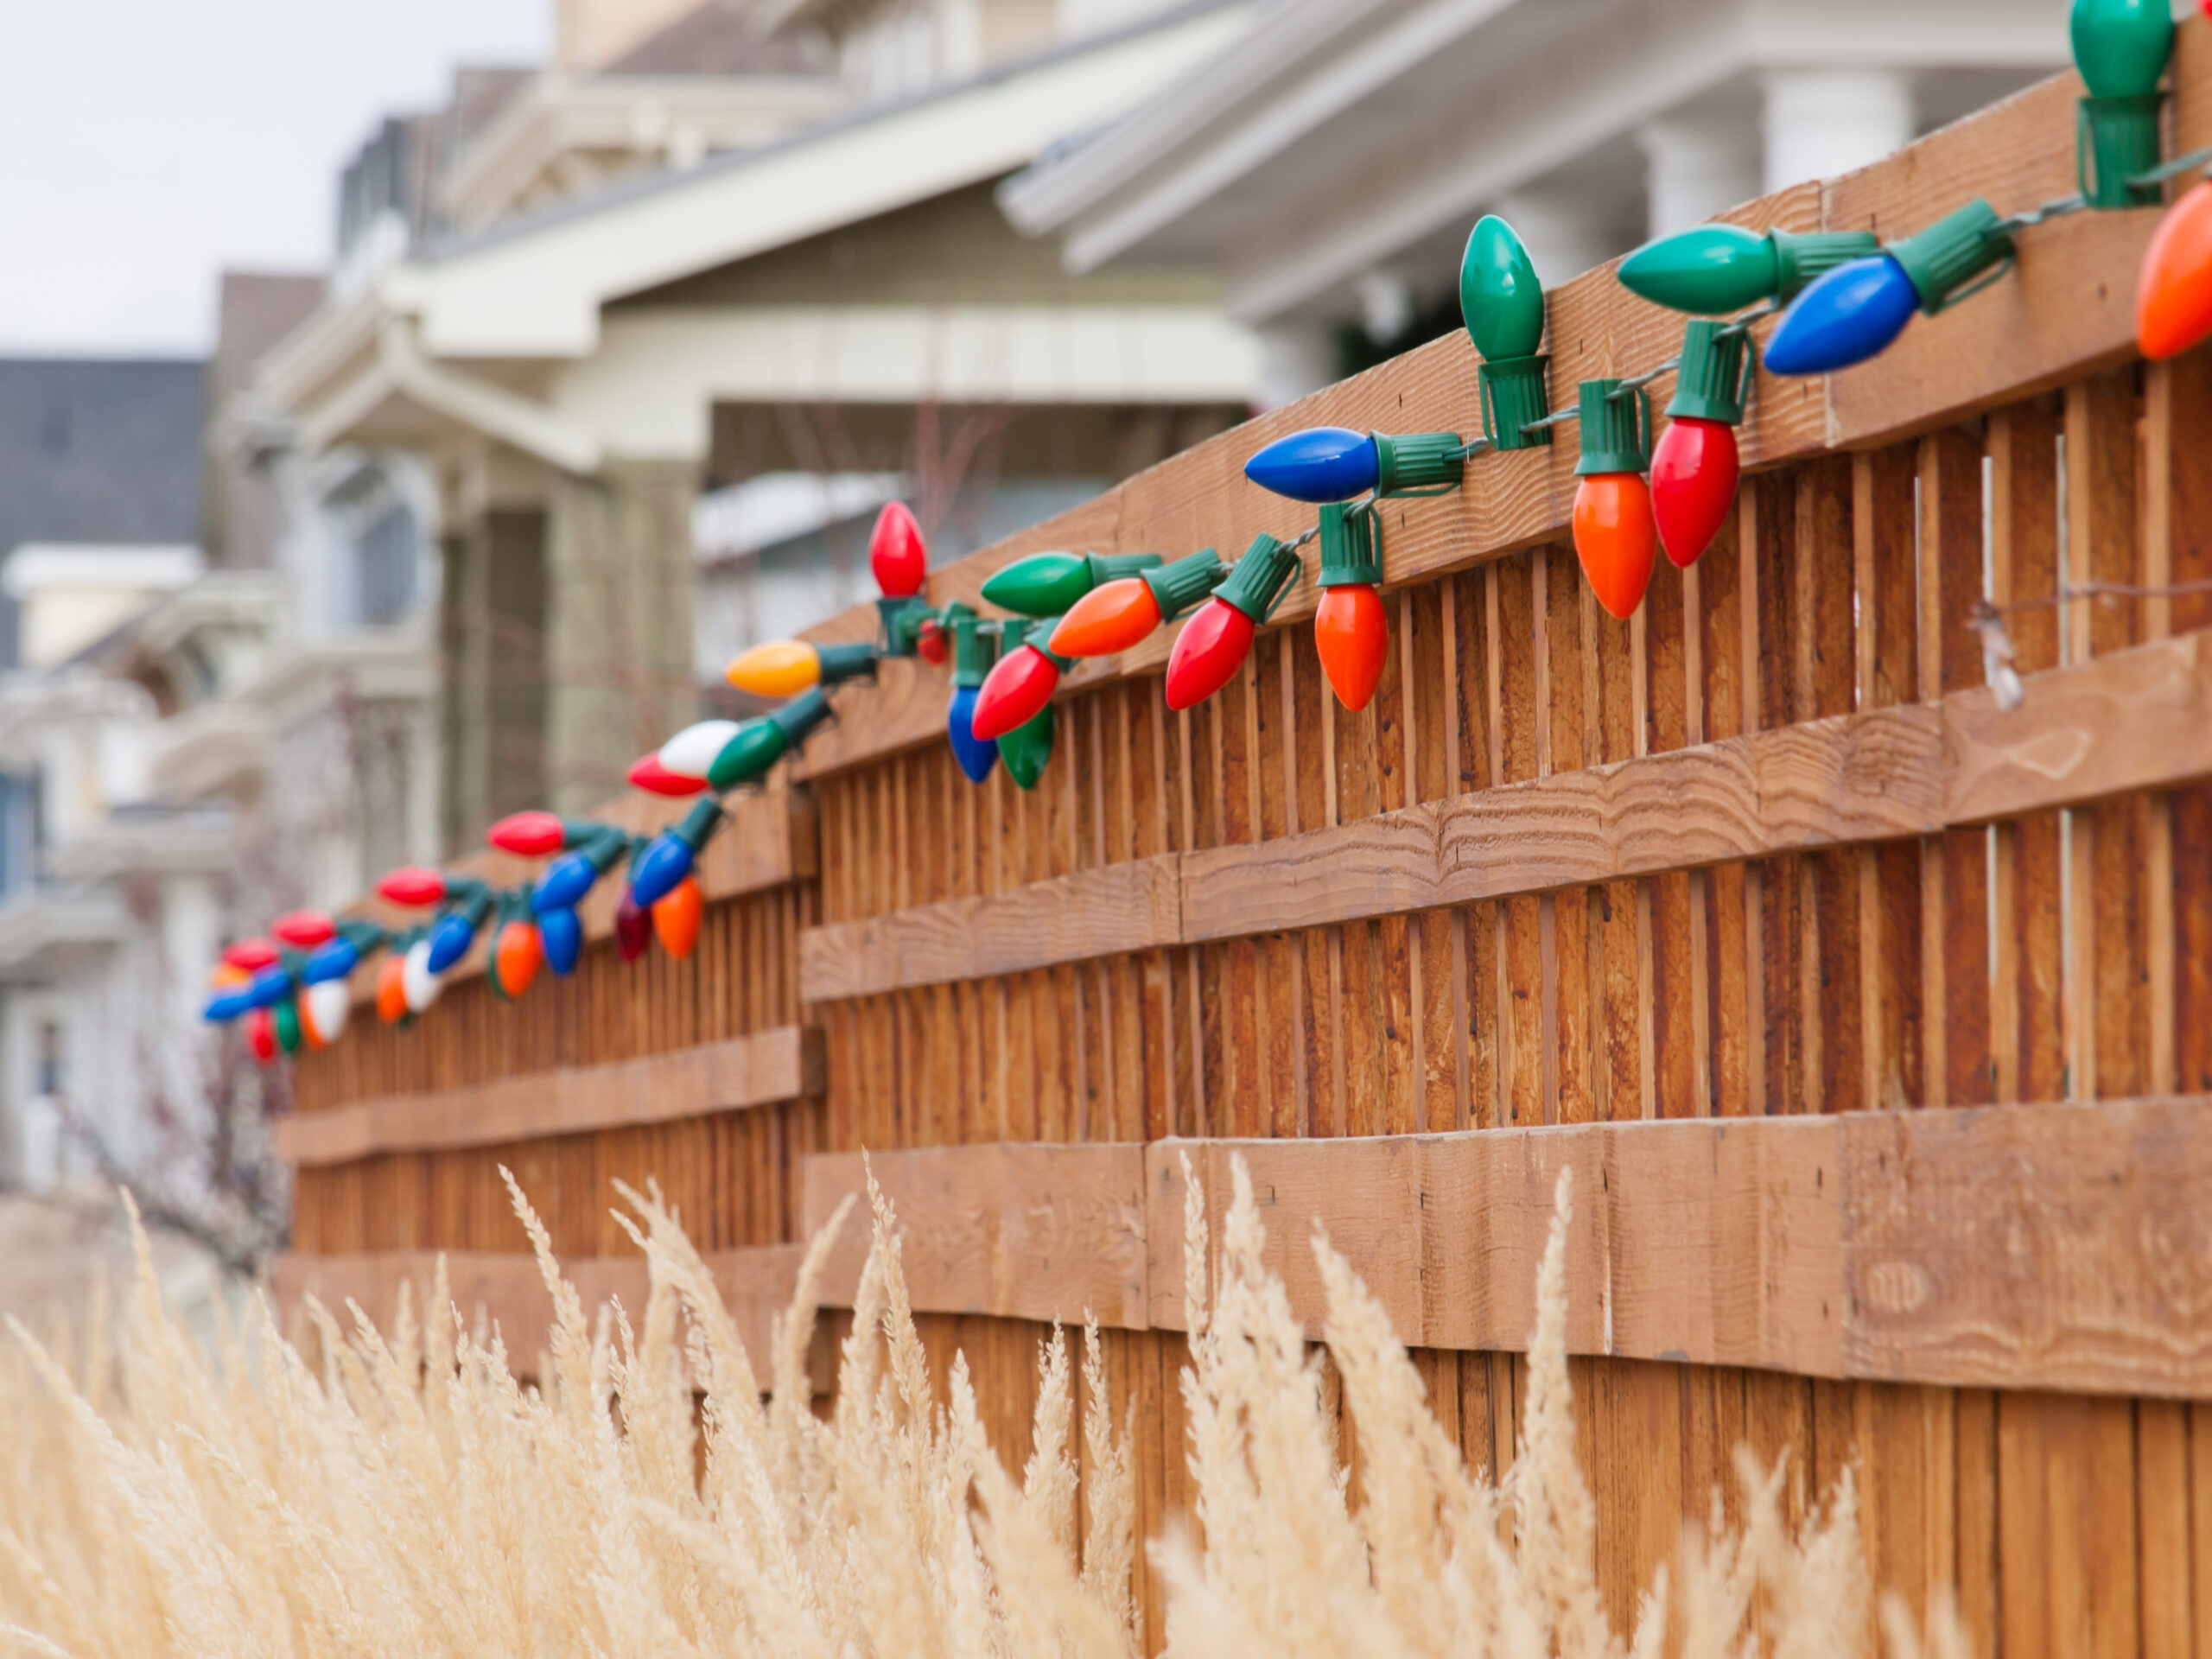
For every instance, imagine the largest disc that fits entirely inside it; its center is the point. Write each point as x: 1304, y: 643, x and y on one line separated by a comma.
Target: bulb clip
x: 974, y: 648
x: 1181, y: 584
x: 697, y: 826
x: 1959, y: 255
x: 1351, y: 546
x: 2115, y: 140
x: 1714, y: 375
x: 1260, y: 578
x: 1616, y: 429
x: 801, y: 715
x: 1418, y: 463
x: 1516, y: 394
x: 902, y: 617
x: 1802, y: 257
x: 847, y: 662
x: 1035, y: 632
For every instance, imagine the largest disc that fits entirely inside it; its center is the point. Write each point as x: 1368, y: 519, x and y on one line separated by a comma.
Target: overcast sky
x: 146, y: 144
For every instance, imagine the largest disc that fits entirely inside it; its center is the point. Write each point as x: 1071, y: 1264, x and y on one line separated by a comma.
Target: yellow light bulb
x: 781, y: 668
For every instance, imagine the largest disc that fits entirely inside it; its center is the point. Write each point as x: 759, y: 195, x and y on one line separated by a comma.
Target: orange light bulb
x: 781, y: 668
x: 1110, y: 618
x: 2173, y: 297
x: 392, y: 988
x: 516, y: 957
x: 1351, y: 631
x: 676, y: 915
x: 1616, y: 537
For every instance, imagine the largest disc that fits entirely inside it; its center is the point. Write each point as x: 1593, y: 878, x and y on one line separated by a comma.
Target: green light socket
x: 1516, y: 392
x: 1714, y: 375
x: 1256, y: 586
x: 1176, y: 586
x: 1943, y: 259
x: 2114, y: 139
x: 1801, y: 255
x: 1616, y: 429
x: 974, y: 651
x: 1417, y: 463
x: 1349, y: 550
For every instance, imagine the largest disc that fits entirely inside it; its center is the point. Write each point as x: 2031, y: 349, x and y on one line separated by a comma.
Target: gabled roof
x: 533, y: 287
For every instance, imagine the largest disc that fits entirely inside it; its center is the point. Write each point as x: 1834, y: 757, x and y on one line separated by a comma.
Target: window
x: 48, y: 1080
x: 387, y: 556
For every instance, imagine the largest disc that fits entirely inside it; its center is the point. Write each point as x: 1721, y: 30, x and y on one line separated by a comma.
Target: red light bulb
x: 304, y: 928
x: 250, y: 954
x: 414, y: 885
x: 1616, y: 538
x: 633, y: 926
x: 1110, y: 618
x: 1014, y: 692
x: 897, y: 553
x: 1693, y: 473
x: 516, y: 957
x: 655, y: 778
x: 1352, y: 632
x: 261, y: 1035
x: 930, y: 643
x: 1208, y: 652
x: 676, y: 914
x: 2173, y: 297
x: 391, y: 987
x: 529, y: 835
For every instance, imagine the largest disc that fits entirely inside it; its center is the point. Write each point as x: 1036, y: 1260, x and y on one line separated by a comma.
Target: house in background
x: 1326, y: 168
x: 109, y: 904
x: 594, y: 324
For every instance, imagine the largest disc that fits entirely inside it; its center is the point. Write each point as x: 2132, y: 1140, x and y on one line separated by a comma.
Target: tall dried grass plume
x: 652, y: 1493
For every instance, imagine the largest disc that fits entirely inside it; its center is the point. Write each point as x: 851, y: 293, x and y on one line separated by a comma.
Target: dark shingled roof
x: 98, y: 450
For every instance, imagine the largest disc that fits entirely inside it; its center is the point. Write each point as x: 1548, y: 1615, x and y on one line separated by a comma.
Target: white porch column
x: 1823, y: 122
x: 1566, y: 233
x: 1697, y: 164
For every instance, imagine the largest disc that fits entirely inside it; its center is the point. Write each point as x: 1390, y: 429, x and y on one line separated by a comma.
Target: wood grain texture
x: 1100, y: 912
x: 505, y: 1290
x: 2137, y: 718
x: 768, y: 1066
x: 2058, y: 1246
x: 1021, y: 1231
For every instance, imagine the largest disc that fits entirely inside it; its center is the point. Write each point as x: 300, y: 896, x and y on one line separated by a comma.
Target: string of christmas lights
x: 1842, y: 297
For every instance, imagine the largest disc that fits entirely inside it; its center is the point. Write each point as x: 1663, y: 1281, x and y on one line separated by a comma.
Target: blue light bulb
x: 333, y: 960
x: 1322, y: 463
x: 976, y: 755
x: 562, y: 936
x: 1845, y: 316
x: 228, y: 1004
x: 565, y: 882
x: 270, y: 985
x: 659, y: 867
x: 449, y: 941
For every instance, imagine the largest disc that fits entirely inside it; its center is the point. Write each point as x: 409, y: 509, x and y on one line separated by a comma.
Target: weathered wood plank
x: 2139, y: 718
x: 1023, y: 1232
x: 1096, y: 912
x: 504, y: 1290
x: 783, y: 1063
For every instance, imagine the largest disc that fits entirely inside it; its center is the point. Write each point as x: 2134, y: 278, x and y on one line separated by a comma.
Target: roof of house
x: 100, y: 450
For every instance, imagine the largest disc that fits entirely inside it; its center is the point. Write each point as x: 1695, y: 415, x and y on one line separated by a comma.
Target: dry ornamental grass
x: 654, y: 1497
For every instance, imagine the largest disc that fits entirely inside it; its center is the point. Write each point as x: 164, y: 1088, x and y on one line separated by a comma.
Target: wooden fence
x: 1763, y: 857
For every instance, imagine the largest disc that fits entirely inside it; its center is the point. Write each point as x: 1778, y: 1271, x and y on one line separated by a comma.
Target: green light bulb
x: 286, y: 1019
x: 1046, y: 584
x: 1024, y: 750
x: 1499, y: 294
x: 2121, y: 46
x: 1707, y: 271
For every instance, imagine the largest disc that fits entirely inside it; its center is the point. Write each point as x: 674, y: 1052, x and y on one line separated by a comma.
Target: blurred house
x: 109, y: 901
x: 639, y: 341
x: 1325, y: 167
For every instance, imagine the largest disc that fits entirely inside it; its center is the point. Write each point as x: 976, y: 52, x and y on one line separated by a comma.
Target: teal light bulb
x: 1706, y: 271
x: 2121, y: 46
x: 1499, y: 294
